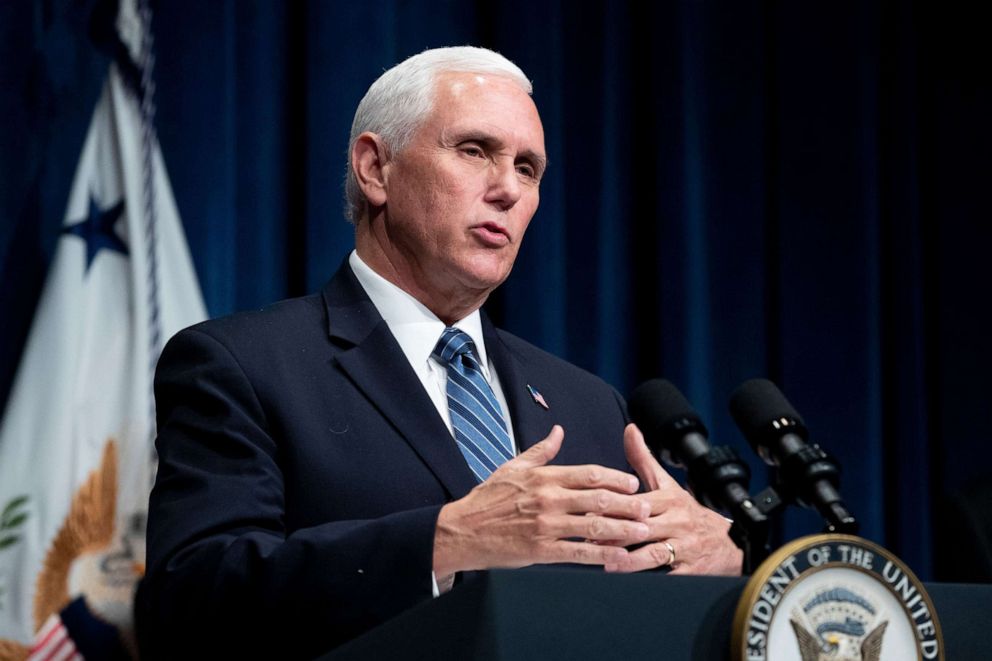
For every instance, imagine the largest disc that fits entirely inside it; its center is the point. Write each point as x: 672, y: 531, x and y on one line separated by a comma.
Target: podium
x: 547, y: 615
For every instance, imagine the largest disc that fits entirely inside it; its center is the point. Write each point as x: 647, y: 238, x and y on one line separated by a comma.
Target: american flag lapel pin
x: 538, y: 397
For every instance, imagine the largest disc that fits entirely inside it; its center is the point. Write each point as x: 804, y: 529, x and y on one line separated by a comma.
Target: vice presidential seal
x: 838, y: 598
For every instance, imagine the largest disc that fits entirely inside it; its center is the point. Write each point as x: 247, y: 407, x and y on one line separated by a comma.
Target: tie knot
x: 454, y: 342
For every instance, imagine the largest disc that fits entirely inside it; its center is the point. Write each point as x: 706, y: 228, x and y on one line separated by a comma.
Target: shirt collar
x: 415, y: 328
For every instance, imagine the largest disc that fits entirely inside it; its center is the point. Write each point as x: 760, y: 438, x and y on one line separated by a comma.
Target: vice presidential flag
x: 76, y: 454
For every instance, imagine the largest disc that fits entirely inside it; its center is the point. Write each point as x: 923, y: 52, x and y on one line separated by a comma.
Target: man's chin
x: 485, y: 279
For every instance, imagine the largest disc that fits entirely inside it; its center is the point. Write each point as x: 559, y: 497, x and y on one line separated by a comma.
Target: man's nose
x: 504, y: 184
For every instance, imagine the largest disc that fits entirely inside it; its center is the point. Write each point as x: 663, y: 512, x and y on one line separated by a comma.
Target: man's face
x: 461, y: 194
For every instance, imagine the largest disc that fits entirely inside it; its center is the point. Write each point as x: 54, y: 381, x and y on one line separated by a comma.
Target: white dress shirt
x: 417, y: 331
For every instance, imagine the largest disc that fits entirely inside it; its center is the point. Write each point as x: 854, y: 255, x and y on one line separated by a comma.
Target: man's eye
x: 526, y: 170
x: 470, y: 150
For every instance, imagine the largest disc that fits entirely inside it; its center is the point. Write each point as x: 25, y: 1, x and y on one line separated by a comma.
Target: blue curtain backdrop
x: 737, y: 189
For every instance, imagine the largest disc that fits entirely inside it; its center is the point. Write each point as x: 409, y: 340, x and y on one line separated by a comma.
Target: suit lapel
x: 531, y: 421
x: 374, y: 362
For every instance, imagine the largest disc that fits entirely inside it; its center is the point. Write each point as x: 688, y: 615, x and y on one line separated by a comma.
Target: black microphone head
x: 664, y: 415
x: 764, y: 415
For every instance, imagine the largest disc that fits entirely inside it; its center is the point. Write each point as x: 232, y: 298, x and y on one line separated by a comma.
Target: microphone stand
x: 718, y: 479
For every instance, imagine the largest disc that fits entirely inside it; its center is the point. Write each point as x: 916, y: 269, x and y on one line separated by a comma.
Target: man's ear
x: 368, y: 158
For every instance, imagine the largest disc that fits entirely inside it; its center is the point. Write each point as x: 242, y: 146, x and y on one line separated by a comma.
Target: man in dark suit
x: 333, y: 460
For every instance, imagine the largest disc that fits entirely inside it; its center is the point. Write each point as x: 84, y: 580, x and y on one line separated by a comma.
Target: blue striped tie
x: 476, y: 417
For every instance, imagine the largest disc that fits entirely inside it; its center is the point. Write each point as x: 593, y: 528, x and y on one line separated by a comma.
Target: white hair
x: 401, y: 98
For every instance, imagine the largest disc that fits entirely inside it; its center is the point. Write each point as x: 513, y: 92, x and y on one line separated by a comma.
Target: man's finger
x: 642, y: 461
x: 584, y: 553
x: 591, y: 477
x: 540, y: 453
x: 604, y: 502
x: 648, y: 556
x: 594, y: 528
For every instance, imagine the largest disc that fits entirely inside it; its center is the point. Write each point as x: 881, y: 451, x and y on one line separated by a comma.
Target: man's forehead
x: 501, y: 115
x: 457, y: 83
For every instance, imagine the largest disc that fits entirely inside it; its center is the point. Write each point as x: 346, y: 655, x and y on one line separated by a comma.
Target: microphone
x: 718, y: 478
x: 806, y: 474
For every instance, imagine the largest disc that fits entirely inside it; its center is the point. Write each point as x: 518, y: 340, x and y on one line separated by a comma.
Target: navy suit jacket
x: 302, y: 467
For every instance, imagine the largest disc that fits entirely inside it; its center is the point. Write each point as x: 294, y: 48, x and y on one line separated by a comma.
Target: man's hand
x: 526, y: 512
x: 698, y: 534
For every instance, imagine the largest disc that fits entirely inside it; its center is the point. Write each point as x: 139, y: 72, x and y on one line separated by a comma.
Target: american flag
x: 53, y: 642
x: 538, y: 397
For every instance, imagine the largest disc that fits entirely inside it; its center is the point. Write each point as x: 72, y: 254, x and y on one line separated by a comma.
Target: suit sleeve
x: 224, y: 575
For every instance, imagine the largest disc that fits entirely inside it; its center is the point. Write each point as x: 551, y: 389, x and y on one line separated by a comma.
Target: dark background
x: 785, y: 189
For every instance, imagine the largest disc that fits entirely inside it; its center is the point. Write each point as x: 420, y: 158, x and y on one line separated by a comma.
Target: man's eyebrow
x: 473, y: 135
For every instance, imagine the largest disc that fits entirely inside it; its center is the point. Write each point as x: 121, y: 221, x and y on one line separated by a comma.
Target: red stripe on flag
x: 52, y: 643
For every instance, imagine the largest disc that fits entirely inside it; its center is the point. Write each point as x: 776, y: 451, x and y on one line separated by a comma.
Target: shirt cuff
x: 437, y: 589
